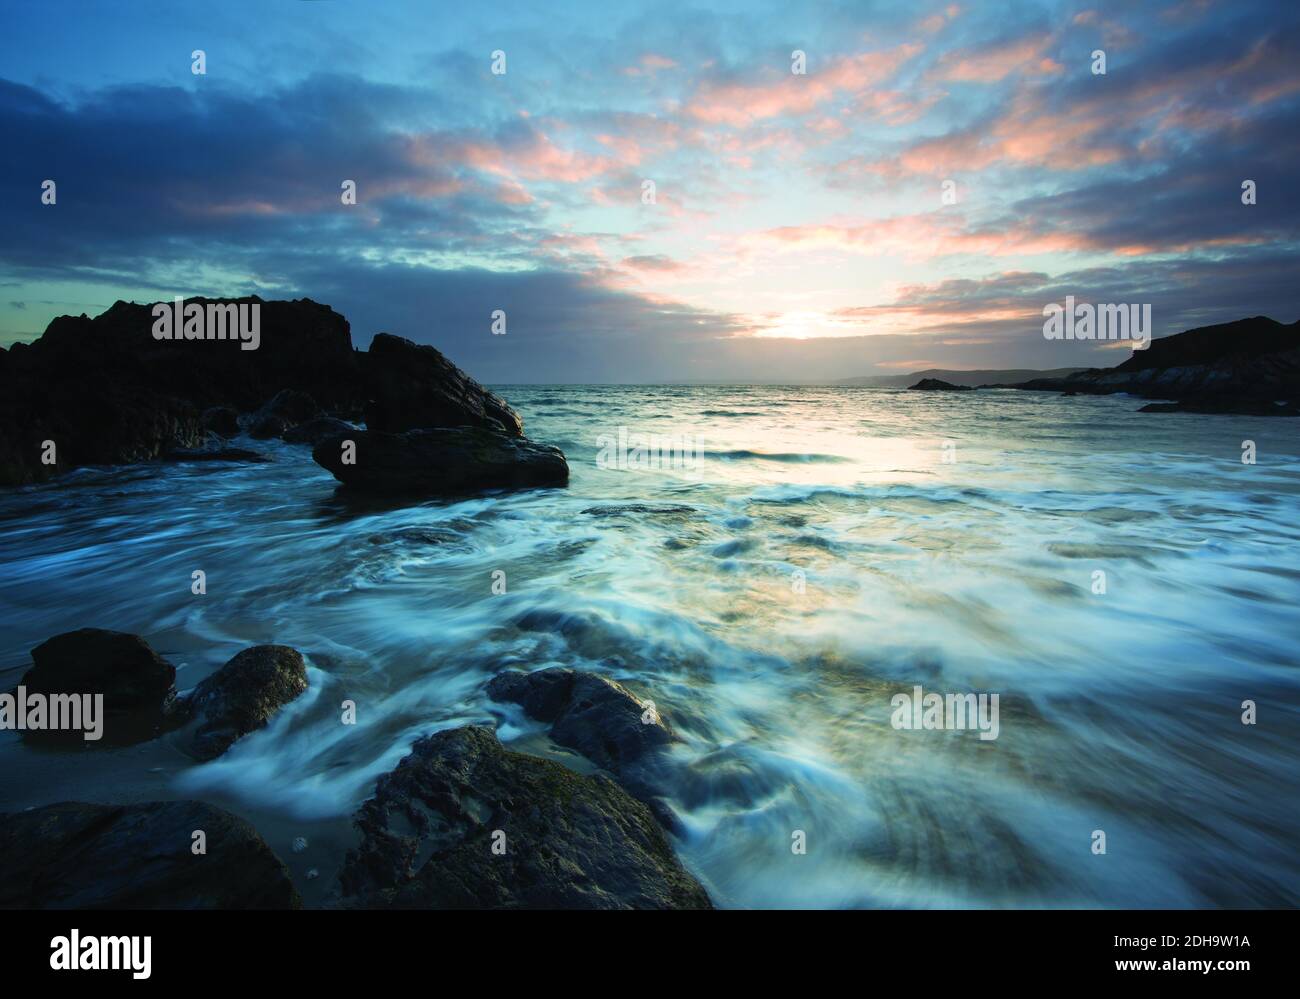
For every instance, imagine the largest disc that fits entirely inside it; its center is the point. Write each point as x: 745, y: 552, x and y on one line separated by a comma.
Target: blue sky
x: 798, y: 229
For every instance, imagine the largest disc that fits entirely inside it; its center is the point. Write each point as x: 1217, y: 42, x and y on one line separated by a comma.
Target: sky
x: 798, y: 230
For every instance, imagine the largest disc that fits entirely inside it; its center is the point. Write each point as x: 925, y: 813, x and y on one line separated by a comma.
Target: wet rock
x: 570, y: 841
x: 441, y: 462
x: 315, y: 431
x: 413, y: 386
x: 139, y: 856
x: 602, y: 720
x: 242, y: 696
x: 138, y: 685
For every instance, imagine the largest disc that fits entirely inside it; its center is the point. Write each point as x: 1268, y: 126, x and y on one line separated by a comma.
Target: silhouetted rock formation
x: 440, y: 462
x: 935, y: 385
x: 105, y: 392
x: 1245, y: 366
x: 140, y: 856
x: 413, y: 387
x: 570, y: 841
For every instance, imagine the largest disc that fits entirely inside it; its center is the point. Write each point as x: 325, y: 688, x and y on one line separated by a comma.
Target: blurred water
x: 1120, y: 711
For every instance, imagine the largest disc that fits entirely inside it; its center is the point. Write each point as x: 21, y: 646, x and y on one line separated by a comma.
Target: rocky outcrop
x: 106, y: 392
x: 103, y: 391
x: 138, y: 685
x: 440, y: 462
x: 937, y: 385
x: 242, y: 696
x: 139, y: 856
x: 1251, y: 366
x: 412, y: 386
x: 465, y: 823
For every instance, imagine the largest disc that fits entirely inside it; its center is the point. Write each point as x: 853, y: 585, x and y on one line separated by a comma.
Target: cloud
x: 737, y: 104
x: 993, y: 63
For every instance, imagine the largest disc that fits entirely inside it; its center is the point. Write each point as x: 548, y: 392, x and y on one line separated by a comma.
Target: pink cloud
x: 738, y: 104
x: 991, y: 64
x: 649, y: 64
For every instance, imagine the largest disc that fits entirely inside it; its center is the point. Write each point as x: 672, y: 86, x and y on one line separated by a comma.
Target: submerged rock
x: 562, y: 840
x: 140, y: 856
x: 242, y: 696
x: 441, y: 462
x: 138, y: 685
x: 414, y: 386
x: 601, y: 719
x: 627, y: 509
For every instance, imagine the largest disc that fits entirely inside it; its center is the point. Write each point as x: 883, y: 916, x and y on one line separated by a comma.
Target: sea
x: 1126, y: 584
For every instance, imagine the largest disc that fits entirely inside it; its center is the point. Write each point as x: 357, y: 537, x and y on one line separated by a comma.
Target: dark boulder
x: 938, y: 385
x: 441, y: 462
x: 570, y: 841
x: 139, y: 856
x: 413, y: 386
x: 242, y: 696
x: 138, y: 685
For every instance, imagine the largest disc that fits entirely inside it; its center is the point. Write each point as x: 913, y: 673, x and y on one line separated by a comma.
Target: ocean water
x: 816, y: 557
